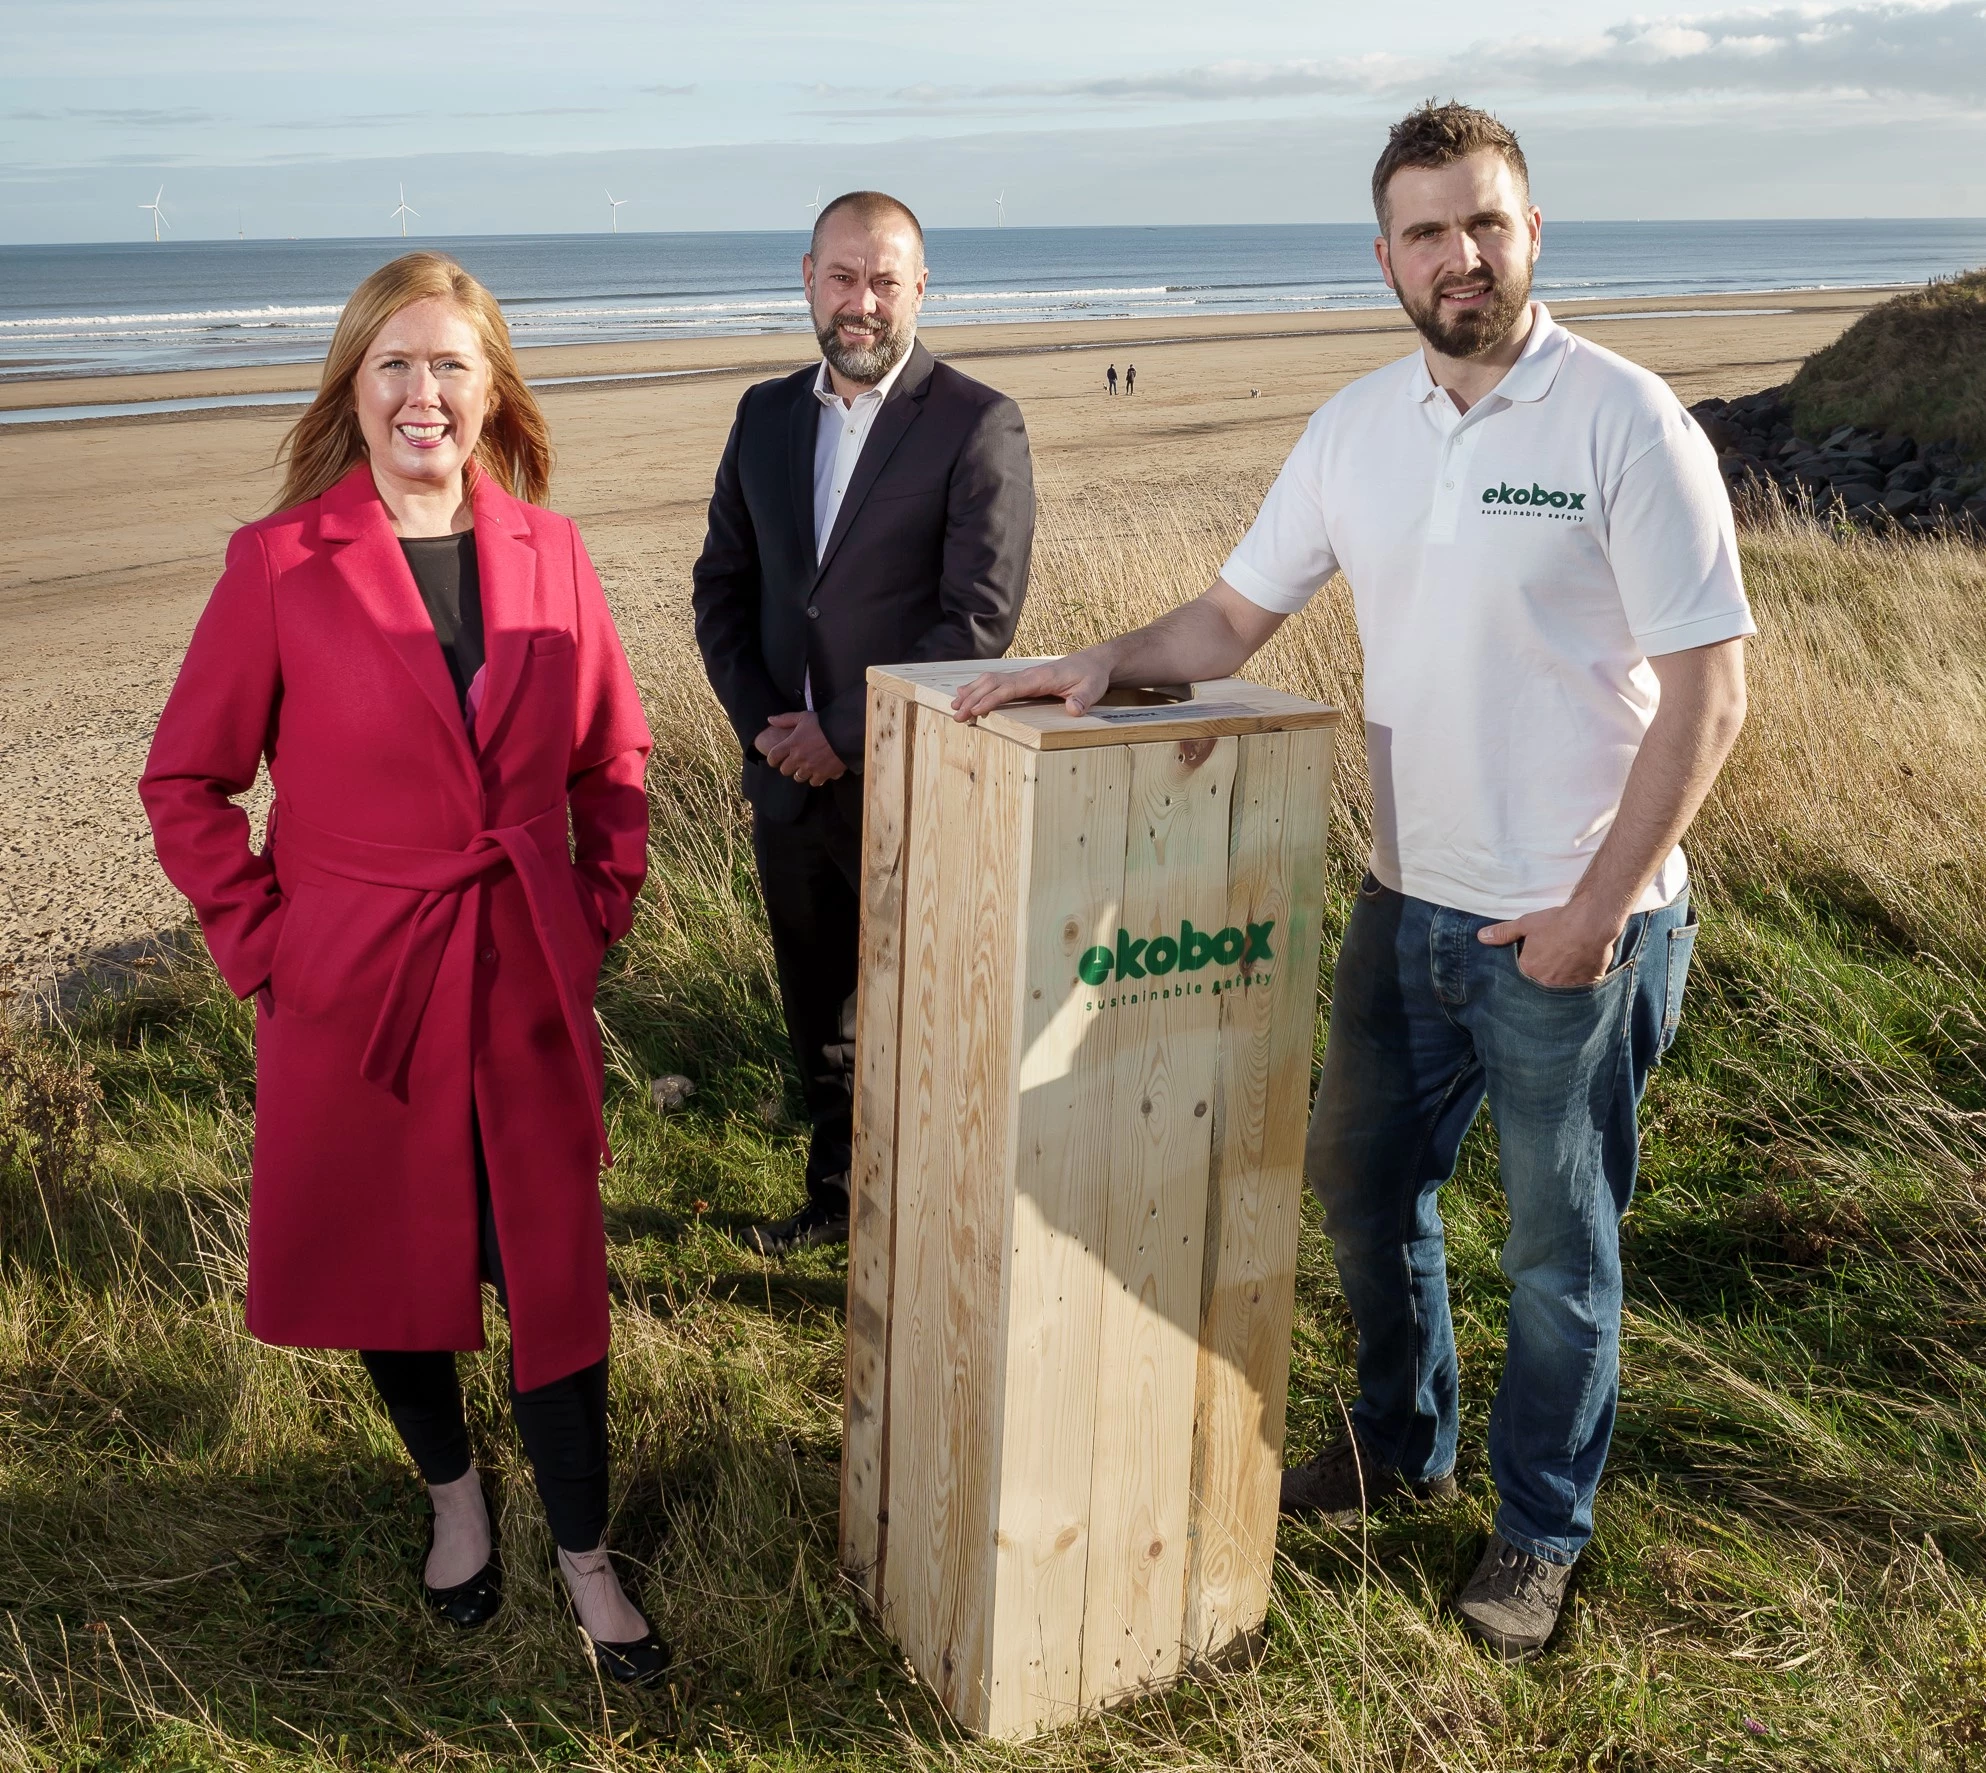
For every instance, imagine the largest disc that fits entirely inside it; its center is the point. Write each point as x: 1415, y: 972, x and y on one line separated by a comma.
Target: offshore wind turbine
x: 1000, y: 210
x: 814, y: 208
x: 616, y: 202
x: 401, y: 214
x: 158, y: 213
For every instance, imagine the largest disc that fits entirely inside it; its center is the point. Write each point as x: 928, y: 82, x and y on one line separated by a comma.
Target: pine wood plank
x: 871, y: 1240
x: 953, y: 1185
x: 1282, y: 800
x: 1167, y: 1035
x: 1054, y: 1251
x: 1047, y: 726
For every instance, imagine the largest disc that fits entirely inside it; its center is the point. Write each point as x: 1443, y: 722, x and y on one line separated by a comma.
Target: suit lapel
x: 802, y: 436
x: 507, y: 566
x: 900, y: 412
x: 369, y: 561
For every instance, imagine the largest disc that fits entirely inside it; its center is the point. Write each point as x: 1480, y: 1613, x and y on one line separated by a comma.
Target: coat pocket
x: 292, y: 977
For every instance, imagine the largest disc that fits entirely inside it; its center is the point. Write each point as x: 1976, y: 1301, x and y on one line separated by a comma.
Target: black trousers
x: 563, y: 1425
x: 810, y: 872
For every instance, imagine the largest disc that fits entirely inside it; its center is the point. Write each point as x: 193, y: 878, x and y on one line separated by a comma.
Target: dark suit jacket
x: 928, y: 558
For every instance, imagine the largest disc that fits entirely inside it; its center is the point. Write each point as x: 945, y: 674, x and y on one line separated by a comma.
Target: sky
x: 510, y: 117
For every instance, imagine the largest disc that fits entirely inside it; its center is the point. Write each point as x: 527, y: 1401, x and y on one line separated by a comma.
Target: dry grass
x: 206, y: 1545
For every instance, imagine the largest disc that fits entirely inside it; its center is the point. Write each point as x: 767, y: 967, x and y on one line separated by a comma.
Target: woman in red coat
x: 427, y: 664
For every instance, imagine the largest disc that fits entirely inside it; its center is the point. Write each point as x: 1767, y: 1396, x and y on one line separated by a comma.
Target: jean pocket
x: 1370, y: 887
x: 1588, y: 989
x: 1681, y: 945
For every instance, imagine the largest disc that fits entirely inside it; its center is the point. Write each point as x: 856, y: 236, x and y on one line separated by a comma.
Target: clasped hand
x: 795, y: 746
x: 1567, y: 945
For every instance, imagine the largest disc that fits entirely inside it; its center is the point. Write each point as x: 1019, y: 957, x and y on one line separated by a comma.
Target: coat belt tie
x: 442, y: 877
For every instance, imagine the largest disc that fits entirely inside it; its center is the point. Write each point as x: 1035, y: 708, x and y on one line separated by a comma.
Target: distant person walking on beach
x: 877, y: 507
x: 1130, y: 378
x: 1545, y: 574
x: 426, y: 663
x: 1110, y: 379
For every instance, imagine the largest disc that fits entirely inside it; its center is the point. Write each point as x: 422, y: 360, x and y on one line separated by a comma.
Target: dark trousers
x: 563, y: 1425
x: 810, y: 872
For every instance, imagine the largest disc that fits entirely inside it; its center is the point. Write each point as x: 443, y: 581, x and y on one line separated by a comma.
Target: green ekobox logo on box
x: 1189, y: 951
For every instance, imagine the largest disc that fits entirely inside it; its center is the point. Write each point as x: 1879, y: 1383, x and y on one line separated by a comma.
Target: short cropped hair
x: 870, y: 207
x: 1438, y: 135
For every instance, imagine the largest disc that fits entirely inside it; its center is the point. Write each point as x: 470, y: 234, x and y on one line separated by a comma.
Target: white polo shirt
x: 1513, y: 570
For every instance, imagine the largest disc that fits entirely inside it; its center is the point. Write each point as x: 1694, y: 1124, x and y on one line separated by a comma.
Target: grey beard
x: 869, y: 365
x: 1470, y: 335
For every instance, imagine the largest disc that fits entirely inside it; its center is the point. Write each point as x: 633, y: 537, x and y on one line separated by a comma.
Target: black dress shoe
x: 818, y: 1222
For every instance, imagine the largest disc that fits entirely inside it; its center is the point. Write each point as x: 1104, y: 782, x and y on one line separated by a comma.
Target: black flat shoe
x: 640, y: 1662
x: 468, y: 1604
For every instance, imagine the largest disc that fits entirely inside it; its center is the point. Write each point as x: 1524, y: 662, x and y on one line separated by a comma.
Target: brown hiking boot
x: 1346, y: 1481
x: 1512, y: 1602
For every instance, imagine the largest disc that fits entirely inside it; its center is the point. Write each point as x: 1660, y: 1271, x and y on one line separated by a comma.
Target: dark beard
x: 884, y: 352
x: 1470, y: 335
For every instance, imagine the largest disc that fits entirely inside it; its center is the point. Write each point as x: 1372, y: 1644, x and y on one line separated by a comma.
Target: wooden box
x: 1088, y: 991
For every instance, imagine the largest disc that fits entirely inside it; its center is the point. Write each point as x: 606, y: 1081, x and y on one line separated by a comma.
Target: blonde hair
x: 515, y: 448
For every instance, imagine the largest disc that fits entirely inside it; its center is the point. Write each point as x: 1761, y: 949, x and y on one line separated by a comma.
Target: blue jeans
x: 1426, y: 1022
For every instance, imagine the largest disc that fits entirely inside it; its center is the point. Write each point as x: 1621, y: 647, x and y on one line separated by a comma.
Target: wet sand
x: 116, y: 527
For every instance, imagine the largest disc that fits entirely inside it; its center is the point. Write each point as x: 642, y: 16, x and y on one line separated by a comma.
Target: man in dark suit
x: 874, y: 509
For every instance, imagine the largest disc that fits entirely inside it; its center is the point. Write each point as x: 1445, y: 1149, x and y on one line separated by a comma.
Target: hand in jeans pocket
x: 1563, y: 949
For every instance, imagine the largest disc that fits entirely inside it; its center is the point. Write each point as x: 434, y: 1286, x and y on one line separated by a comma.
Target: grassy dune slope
x: 207, y: 1546
x: 1915, y: 366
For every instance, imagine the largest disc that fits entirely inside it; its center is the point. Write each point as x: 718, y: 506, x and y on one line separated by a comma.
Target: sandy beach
x: 116, y: 527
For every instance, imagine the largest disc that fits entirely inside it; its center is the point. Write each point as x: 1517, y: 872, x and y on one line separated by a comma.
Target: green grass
x: 1915, y: 366
x: 208, y: 1547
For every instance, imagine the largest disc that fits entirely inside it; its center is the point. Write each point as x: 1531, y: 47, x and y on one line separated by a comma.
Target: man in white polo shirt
x: 1542, y: 561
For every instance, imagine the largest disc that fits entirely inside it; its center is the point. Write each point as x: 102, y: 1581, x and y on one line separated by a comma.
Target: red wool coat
x: 418, y: 929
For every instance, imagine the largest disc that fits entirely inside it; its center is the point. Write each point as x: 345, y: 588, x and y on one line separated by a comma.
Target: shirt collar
x: 1529, y: 378
x: 824, y: 389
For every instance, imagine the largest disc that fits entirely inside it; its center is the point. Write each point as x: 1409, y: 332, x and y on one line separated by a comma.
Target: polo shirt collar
x: 1529, y: 378
x: 824, y: 388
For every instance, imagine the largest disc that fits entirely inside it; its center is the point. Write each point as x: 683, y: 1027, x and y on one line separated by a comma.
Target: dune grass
x: 207, y: 1546
x: 1916, y: 365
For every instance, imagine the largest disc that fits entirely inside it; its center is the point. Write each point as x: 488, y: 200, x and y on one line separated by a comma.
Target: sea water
x: 106, y: 309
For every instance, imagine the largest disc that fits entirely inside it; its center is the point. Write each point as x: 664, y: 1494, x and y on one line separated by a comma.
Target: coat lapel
x: 507, y: 565
x: 369, y: 561
x: 900, y: 412
x: 802, y: 436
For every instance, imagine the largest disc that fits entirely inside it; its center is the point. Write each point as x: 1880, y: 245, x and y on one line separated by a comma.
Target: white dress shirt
x: 844, y: 429
x: 1513, y: 570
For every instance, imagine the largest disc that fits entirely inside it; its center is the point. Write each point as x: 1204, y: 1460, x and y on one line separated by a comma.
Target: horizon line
x: 966, y: 228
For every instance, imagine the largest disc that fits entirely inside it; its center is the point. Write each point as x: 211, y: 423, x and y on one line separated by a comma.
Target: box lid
x: 1211, y: 710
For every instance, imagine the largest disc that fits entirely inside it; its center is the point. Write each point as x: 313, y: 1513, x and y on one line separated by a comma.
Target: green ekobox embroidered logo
x: 1189, y: 951
x: 1533, y: 495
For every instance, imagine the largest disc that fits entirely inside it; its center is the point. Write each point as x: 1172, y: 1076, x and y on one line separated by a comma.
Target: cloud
x: 1890, y: 48
x: 139, y: 117
x: 372, y: 117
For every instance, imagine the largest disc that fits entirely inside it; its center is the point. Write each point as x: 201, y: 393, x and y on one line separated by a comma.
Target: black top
x: 444, y: 567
